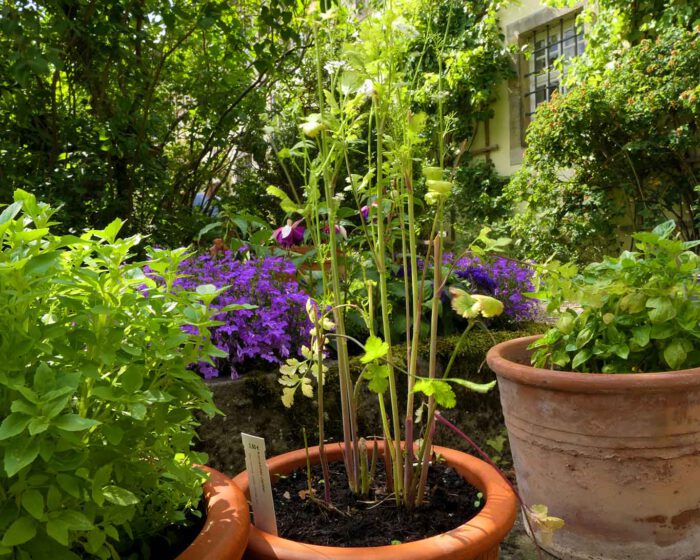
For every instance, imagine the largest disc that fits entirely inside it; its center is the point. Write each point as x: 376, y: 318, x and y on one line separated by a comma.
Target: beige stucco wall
x: 515, y: 18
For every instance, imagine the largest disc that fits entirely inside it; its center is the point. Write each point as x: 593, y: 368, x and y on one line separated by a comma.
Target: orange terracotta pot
x: 616, y: 456
x: 477, y: 539
x: 225, y: 533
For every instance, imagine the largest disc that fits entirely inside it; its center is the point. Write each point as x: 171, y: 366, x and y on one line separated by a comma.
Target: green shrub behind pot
x: 96, y: 401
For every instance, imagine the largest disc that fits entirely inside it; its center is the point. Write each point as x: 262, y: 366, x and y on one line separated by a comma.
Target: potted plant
x: 605, y: 424
x: 369, y: 91
x: 96, y: 398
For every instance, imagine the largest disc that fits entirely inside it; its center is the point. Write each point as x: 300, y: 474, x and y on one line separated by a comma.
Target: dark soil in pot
x: 373, y: 520
x: 169, y: 543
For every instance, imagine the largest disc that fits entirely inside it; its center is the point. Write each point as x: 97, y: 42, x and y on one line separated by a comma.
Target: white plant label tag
x: 259, y: 484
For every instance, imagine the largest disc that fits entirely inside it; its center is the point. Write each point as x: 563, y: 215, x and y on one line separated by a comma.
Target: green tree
x: 619, y: 149
x: 128, y: 108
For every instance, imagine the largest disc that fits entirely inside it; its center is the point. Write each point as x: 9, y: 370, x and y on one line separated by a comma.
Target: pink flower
x: 289, y: 235
x: 364, y: 211
x: 338, y: 229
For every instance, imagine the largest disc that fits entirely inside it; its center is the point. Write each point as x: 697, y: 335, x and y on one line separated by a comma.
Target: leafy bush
x: 628, y: 142
x: 641, y: 311
x: 272, y: 332
x: 477, y: 199
x: 96, y: 399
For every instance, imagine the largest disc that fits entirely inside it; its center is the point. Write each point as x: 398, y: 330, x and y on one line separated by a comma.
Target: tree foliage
x: 127, y: 108
x: 619, y: 149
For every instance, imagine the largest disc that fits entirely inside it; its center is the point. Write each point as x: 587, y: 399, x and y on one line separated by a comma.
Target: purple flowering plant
x: 505, y: 279
x: 272, y: 332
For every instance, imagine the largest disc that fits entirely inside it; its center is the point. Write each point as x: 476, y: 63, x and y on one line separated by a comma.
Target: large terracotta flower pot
x: 225, y: 533
x: 616, y: 456
x: 477, y: 539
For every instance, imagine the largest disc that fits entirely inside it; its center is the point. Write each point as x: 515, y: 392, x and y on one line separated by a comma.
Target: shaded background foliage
x: 127, y: 108
x: 620, y: 150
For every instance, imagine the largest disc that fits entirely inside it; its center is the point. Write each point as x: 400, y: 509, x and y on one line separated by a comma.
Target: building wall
x: 500, y: 139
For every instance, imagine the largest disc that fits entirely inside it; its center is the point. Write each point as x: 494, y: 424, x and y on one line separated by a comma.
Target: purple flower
x: 289, y: 235
x: 365, y: 210
x: 272, y: 332
x: 338, y: 229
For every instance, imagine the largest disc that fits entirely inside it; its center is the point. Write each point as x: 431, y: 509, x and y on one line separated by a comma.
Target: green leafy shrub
x: 640, y: 312
x: 477, y: 200
x: 96, y: 399
x: 614, y: 153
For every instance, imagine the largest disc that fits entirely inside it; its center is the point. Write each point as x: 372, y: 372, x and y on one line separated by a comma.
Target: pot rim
x: 225, y: 532
x: 478, y: 535
x: 499, y: 359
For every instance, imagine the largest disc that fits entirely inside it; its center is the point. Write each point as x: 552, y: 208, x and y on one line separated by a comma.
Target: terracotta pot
x: 225, y: 533
x: 616, y: 456
x: 477, y: 539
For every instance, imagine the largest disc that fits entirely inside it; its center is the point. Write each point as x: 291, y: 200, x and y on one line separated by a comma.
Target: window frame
x: 517, y: 33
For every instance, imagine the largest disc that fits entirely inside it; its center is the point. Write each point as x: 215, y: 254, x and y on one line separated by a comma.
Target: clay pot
x: 616, y: 456
x: 477, y: 539
x: 225, y: 533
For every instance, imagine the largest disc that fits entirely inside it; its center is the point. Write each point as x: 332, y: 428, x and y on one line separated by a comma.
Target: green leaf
x: 21, y: 531
x: 19, y: 456
x: 581, y: 357
x: 33, y: 502
x: 58, y: 530
x: 10, y: 212
x: 641, y: 335
x: 482, y: 388
x: 74, y: 423
x: 76, y: 520
x: 38, y: 425
x: 378, y: 377
x: 285, y: 202
x: 119, y: 496
x: 437, y: 388
x: 375, y: 348
x: 661, y: 309
x: 662, y: 331
x: 675, y: 353
x: 14, y: 424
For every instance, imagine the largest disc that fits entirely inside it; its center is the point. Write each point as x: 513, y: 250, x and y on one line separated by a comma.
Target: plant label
x: 259, y: 484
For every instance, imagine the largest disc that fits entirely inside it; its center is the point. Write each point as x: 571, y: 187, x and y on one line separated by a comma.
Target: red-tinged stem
x: 445, y: 422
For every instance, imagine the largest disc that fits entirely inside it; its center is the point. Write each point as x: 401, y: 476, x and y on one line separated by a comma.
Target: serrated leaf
x: 375, y: 348
x: 288, y: 396
x: 440, y: 390
x: 378, y: 377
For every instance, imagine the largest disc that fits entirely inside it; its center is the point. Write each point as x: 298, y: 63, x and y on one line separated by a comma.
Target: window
x: 560, y: 40
x: 551, y: 35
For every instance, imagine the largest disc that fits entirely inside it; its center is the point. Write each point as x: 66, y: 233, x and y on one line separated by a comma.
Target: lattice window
x: 561, y: 39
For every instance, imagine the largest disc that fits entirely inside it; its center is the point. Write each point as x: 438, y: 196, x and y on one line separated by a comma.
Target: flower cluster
x: 502, y: 278
x: 274, y: 331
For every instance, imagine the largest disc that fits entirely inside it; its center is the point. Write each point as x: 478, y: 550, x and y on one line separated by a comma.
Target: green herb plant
x: 640, y: 312
x: 365, y: 112
x: 96, y: 400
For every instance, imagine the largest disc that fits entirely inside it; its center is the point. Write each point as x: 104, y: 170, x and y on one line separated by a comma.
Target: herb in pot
x: 640, y: 312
